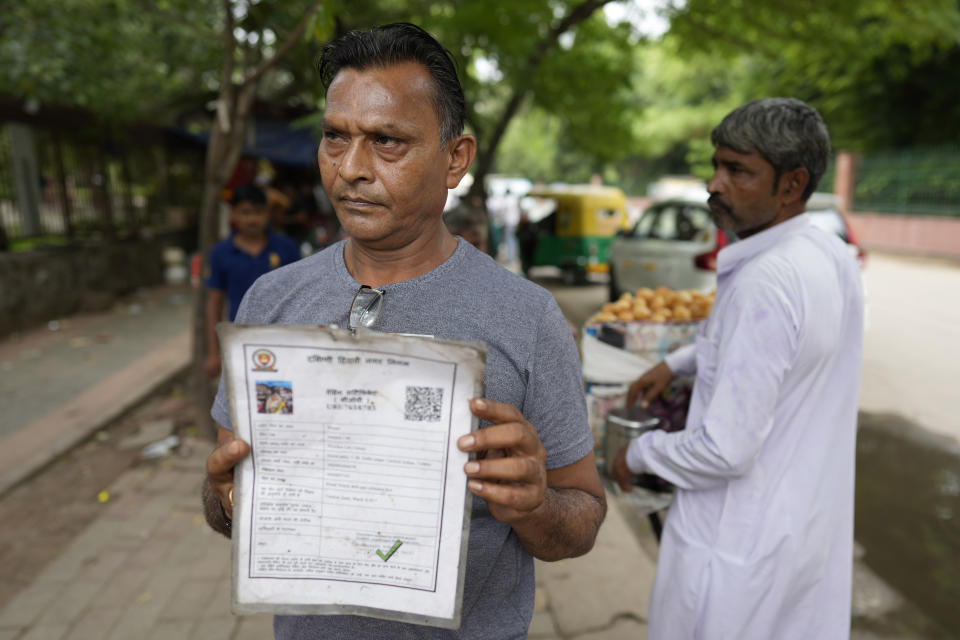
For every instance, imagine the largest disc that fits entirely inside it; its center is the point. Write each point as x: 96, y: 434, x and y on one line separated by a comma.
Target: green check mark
x: 393, y: 549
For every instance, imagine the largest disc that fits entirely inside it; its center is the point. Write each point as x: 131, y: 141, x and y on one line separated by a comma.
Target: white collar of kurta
x: 732, y: 255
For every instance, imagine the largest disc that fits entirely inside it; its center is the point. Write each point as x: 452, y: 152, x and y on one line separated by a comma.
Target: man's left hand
x: 510, y: 472
x: 620, y: 471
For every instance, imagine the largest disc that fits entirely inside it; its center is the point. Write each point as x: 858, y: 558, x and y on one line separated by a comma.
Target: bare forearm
x: 214, y: 313
x: 564, y: 526
x: 213, y: 511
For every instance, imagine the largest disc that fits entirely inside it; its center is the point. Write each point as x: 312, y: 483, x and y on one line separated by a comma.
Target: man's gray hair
x: 788, y: 133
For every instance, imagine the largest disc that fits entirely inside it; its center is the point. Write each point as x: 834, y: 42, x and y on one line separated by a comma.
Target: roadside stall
x: 620, y: 342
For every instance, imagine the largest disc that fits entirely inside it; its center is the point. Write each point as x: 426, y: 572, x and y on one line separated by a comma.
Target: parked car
x: 675, y: 244
x: 824, y: 211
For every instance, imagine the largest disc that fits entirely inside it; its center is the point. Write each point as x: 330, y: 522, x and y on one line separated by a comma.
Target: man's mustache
x: 715, y: 201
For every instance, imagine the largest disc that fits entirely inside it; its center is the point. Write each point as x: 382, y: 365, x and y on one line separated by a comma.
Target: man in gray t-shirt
x: 392, y: 146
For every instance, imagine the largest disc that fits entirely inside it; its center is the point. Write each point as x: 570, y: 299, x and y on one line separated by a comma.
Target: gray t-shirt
x: 531, y: 363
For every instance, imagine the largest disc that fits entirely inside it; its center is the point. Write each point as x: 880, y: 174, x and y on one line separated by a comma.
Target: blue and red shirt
x: 233, y: 270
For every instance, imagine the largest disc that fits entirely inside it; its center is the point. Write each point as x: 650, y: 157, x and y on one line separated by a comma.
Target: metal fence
x: 917, y: 181
x: 91, y: 184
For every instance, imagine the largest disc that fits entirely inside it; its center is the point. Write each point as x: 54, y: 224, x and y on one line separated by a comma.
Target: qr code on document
x: 423, y: 404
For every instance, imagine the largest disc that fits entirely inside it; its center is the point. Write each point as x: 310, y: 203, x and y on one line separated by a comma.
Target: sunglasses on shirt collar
x: 365, y: 308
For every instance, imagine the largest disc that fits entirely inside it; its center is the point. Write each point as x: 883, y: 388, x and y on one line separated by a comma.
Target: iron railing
x: 92, y: 186
x: 917, y: 181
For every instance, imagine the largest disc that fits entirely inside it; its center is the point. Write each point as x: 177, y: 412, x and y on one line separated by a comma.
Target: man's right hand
x: 220, y: 464
x: 649, y: 385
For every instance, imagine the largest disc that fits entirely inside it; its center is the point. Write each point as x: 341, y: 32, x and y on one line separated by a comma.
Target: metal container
x: 622, y: 426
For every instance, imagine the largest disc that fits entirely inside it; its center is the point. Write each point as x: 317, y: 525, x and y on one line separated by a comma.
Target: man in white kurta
x: 758, y: 542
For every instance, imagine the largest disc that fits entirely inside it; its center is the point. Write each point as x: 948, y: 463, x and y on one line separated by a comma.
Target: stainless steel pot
x: 622, y: 426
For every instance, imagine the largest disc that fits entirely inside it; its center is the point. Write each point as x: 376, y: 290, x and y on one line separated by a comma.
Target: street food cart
x: 618, y: 344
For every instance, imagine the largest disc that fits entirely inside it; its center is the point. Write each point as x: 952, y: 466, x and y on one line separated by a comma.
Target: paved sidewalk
x: 149, y: 568
x: 43, y: 368
x: 62, y: 382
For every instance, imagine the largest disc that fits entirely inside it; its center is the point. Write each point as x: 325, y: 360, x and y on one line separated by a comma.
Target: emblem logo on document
x: 264, y: 360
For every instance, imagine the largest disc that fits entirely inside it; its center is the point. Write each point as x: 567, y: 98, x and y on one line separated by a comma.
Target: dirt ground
x: 43, y: 514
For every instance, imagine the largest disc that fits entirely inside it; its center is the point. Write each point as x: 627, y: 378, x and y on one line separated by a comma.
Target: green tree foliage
x: 882, y: 72
x: 530, y: 147
x: 560, y: 57
x: 119, y: 58
x: 588, y: 87
x: 150, y: 60
x: 680, y: 98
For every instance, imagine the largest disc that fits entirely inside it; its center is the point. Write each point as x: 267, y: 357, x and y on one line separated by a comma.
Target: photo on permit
x: 275, y: 396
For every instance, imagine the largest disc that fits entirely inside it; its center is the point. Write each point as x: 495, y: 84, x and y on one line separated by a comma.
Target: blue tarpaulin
x: 274, y: 140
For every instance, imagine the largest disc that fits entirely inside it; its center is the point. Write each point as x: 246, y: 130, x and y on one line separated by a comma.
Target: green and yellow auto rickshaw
x: 575, y: 235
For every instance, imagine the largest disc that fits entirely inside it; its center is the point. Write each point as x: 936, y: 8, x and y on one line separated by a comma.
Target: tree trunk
x: 488, y: 148
x: 487, y: 153
x: 223, y: 150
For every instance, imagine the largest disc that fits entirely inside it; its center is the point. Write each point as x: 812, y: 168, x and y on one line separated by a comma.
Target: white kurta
x: 758, y: 542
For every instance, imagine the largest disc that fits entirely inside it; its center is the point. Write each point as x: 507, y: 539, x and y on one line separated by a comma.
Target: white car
x: 675, y: 244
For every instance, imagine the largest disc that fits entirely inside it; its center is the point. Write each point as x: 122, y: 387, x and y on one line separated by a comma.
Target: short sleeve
x: 218, y: 272
x: 220, y: 410
x: 554, y: 401
x: 292, y: 253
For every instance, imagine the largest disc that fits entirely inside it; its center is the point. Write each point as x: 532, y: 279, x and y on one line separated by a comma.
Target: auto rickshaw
x: 576, y: 235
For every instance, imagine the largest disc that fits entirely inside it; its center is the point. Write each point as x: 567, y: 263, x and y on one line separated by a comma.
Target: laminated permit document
x: 353, y: 499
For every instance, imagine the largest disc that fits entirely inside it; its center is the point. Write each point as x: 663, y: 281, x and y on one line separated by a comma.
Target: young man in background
x: 236, y: 262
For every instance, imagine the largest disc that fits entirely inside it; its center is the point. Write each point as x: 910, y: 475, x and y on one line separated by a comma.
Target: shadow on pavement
x: 907, y: 521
